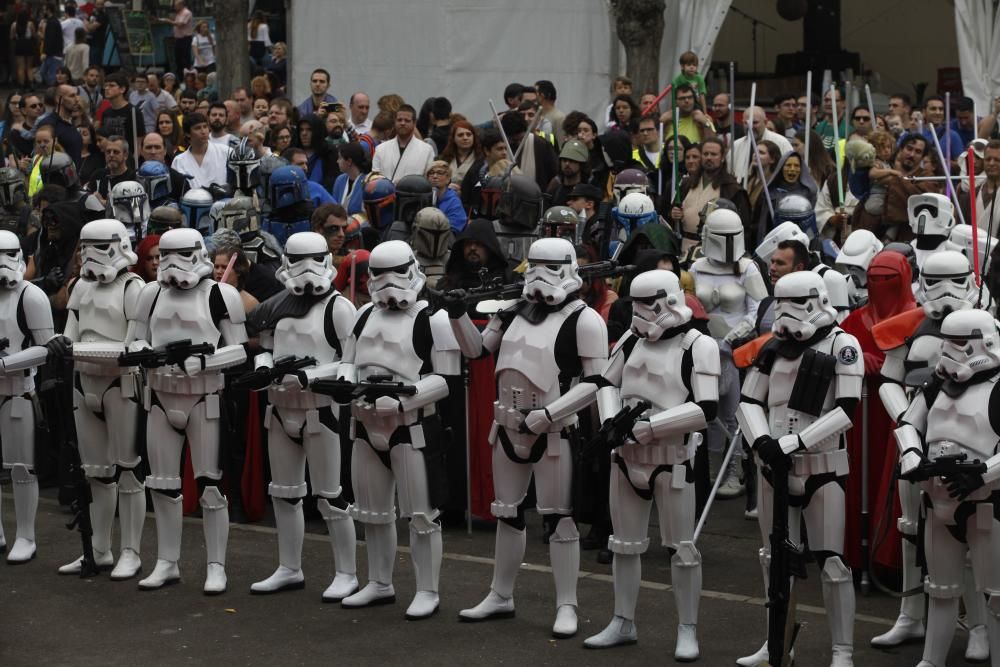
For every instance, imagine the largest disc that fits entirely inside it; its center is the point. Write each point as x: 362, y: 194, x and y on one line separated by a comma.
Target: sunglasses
x: 864, y: 119
x: 333, y: 230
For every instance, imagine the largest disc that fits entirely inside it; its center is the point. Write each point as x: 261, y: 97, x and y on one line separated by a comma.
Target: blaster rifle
x: 607, y: 268
x: 786, y: 562
x: 948, y: 465
x: 4, y: 344
x: 262, y: 377
x: 344, y: 391
x: 614, y: 431
x: 165, y: 355
x: 80, y: 508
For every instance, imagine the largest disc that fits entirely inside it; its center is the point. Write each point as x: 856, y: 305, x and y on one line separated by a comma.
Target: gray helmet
x: 630, y: 180
x: 12, y: 190
x: 163, y: 218
x: 413, y: 193
x: 242, y: 215
x: 520, y: 202
x: 268, y: 165
x: 559, y: 221
x: 432, y: 235
x: 59, y: 169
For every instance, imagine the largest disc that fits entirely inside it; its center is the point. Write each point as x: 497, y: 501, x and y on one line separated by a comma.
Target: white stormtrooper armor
x: 309, y: 318
x: 786, y: 231
x: 859, y: 249
x: 397, y: 438
x: 727, y: 282
x: 183, y: 400
x: 838, y: 288
x: 783, y: 419
x: 960, y: 239
x: 26, y: 323
x: 105, y: 395
x: 129, y: 204
x: 545, y: 340
x: 956, y: 414
x: 945, y: 286
x: 932, y: 217
x: 656, y: 461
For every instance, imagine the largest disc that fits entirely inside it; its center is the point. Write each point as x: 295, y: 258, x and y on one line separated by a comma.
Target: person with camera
x: 319, y: 84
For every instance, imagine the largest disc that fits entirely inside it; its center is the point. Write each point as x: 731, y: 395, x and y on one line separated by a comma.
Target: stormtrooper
x: 544, y: 341
x: 105, y: 395
x: 27, y: 325
x: 431, y: 242
x: 196, y: 204
x: 912, y: 345
x: 954, y: 420
x: 853, y: 260
x: 129, y: 205
x: 782, y: 419
x: 518, y: 213
x: 932, y: 217
x: 960, y: 239
x: 656, y: 460
x: 397, y: 436
x: 182, y: 396
x: 309, y: 317
x: 413, y: 194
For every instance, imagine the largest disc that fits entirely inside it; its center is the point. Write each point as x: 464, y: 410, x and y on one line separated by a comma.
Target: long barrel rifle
x: 165, y: 355
x: 262, y: 377
x: 614, y: 431
x: 376, y: 386
x: 495, y: 289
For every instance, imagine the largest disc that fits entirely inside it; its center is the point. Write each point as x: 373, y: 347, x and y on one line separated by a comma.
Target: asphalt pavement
x: 56, y: 620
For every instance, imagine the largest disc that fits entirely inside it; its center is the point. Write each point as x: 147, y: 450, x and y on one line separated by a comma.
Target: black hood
x: 480, y: 230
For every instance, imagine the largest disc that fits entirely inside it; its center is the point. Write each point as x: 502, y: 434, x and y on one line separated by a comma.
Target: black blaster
x: 607, y: 268
x: 165, y: 355
x: 488, y: 289
x: 343, y: 391
x: 262, y: 377
x: 4, y: 344
x: 948, y: 465
x: 614, y: 431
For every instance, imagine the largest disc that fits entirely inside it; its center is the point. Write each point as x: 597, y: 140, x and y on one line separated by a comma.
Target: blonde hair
x: 438, y: 164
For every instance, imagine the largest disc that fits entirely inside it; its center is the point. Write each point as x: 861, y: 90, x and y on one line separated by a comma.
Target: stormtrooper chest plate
x: 782, y: 419
x: 385, y: 345
x: 653, y: 372
x: 527, y: 371
x: 964, y: 420
x: 181, y: 314
x: 305, y: 336
x: 102, y: 311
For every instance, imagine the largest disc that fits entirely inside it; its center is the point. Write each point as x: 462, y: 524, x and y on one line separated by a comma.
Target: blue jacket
x: 355, y: 204
x: 956, y: 141
x: 319, y: 195
x: 451, y: 205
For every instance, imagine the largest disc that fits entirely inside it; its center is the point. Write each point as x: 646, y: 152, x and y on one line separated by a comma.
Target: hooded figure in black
x: 54, y: 256
x: 322, y: 157
x: 475, y: 248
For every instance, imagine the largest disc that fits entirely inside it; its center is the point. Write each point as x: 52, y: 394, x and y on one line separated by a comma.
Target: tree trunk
x: 640, y: 29
x: 231, y: 48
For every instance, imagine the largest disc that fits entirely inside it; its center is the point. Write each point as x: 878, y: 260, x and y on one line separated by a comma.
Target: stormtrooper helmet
x: 970, y: 344
x: 129, y: 204
x: 722, y: 237
x: 395, y: 278
x: 184, y: 261
x: 960, y: 239
x: 431, y: 235
x: 12, y: 265
x: 553, y: 273
x: 786, y: 231
x: 945, y: 284
x: 306, y: 266
x: 658, y: 304
x: 858, y: 251
x: 802, y: 306
x: 930, y: 214
x: 105, y: 250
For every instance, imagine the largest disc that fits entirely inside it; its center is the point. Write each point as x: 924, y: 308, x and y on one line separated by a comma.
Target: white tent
x: 468, y: 50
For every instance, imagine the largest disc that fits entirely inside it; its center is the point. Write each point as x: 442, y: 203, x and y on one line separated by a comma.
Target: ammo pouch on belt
x: 812, y: 382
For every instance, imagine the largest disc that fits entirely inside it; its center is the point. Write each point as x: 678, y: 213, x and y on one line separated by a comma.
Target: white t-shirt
x: 211, y: 170
x: 263, y: 35
x: 69, y: 26
x: 204, y: 47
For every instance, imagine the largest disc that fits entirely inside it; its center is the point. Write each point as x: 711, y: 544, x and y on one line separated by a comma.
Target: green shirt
x: 697, y: 82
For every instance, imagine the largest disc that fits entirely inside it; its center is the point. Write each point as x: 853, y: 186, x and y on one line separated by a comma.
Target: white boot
x: 169, y: 514
x: 215, y: 521
x: 290, y: 523
x: 104, y: 497
x: 507, y: 556
x: 131, y: 517
x: 977, y: 648
x: 25, y: 508
x: 685, y: 579
x: 909, y: 626
x: 619, y: 631
x: 380, y: 541
x: 564, y: 554
x: 344, y: 543
x: 761, y: 655
x: 838, y: 597
x: 426, y: 551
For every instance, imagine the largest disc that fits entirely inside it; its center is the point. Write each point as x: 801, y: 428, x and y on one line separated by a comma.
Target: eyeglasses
x: 863, y: 119
x: 437, y: 172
